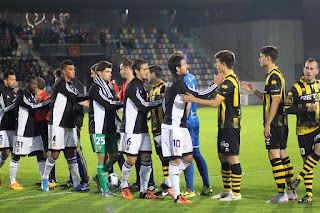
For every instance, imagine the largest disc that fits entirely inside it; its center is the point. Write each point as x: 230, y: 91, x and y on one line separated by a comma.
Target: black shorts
x: 306, y: 142
x: 279, y: 138
x: 228, y: 141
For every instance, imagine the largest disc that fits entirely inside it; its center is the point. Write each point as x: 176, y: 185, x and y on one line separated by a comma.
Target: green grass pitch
x: 257, y: 180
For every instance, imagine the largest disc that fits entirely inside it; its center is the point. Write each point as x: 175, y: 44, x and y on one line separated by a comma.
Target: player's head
x: 310, y: 70
x: 93, y: 71
x: 155, y: 72
x: 224, y: 60
x: 126, y: 68
x: 268, y: 55
x: 177, y: 63
x: 31, y: 83
x: 103, y: 70
x: 67, y: 69
x: 140, y: 68
x: 41, y: 83
x: 57, y: 74
x: 9, y: 79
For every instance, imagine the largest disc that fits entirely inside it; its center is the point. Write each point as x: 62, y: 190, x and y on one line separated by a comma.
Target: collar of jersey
x: 230, y: 73
x: 273, y: 68
x: 304, y: 82
x: 160, y: 82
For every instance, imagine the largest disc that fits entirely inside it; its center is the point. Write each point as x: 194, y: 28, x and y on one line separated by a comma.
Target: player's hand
x: 38, y: 99
x: 218, y: 78
x: 312, y: 108
x: 247, y: 86
x: 188, y: 97
x: 266, y: 131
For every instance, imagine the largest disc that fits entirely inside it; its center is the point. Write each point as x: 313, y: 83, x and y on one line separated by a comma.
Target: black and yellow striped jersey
x: 157, y: 113
x: 300, y: 96
x: 229, y: 114
x: 275, y: 86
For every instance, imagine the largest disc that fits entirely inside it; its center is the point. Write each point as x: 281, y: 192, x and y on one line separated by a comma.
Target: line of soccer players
x: 175, y: 125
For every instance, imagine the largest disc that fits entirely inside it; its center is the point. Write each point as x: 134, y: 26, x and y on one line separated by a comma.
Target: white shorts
x: 27, y: 145
x: 132, y: 144
x: 60, y: 137
x: 7, y: 138
x: 175, y: 141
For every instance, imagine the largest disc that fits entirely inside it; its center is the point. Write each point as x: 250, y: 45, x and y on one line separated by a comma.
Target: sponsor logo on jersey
x: 315, y: 96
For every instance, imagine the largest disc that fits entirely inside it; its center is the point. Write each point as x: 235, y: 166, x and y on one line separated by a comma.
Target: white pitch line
x: 61, y: 193
x: 34, y: 196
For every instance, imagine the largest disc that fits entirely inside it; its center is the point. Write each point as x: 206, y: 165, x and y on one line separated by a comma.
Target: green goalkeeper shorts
x: 104, y: 143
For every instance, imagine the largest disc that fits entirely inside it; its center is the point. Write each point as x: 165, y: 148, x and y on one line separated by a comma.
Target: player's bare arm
x: 272, y: 113
x: 211, y: 103
x: 250, y: 88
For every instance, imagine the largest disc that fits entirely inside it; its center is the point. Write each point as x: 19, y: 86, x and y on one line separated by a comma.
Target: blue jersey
x: 193, y: 119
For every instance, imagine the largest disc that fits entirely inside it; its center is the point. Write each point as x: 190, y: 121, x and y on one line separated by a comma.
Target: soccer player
x: 193, y: 127
x: 176, y: 142
x: 157, y: 114
x: 8, y: 118
x: 102, y: 128
x: 62, y: 131
x: 28, y: 140
x: 229, y: 123
x: 135, y: 138
x: 303, y: 100
x: 42, y: 117
x: 127, y: 73
x: 275, y: 123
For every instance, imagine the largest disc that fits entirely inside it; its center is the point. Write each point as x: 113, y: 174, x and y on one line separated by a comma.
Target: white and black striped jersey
x: 136, y: 107
x: 27, y: 107
x: 64, y: 96
x: 175, y: 113
x: 8, y: 116
x: 102, y: 110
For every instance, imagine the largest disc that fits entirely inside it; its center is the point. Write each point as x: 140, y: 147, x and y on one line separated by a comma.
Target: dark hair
x: 174, y: 61
x: 41, y: 83
x: 102, y: 65
x: 7, y: 73
x: 227, y: 57
x: 93, y: 67
x: 310, y: 60
x: 29, y: 78
x: 270, y: 51
x: 156, y: 69
x: 127, y: 63
x: 137, y: 64
x: 65, y: 63
x: 57, y: 73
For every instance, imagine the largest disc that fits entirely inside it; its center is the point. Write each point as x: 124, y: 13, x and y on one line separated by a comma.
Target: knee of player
x: 145, y: 156
x: 188, y: 158
x: 16, y: 157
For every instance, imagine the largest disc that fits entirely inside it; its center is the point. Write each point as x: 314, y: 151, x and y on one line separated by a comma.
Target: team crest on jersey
x: 128, y: 148
x: 273, y: 82
x: 224, y: 86
x: 290, y: 93
x: 99, y: 147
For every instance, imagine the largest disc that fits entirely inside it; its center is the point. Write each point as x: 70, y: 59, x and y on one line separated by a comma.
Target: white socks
x: 73, y: 168
x: 145, y: 171
x: 48, y: 166
x: 14, y: 166
x: 125, y: 174
x: 174, y: 177
x: 41, y: 165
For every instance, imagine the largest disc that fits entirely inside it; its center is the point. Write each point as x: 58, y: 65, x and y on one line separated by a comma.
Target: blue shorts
x: 194, y: 133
